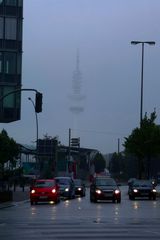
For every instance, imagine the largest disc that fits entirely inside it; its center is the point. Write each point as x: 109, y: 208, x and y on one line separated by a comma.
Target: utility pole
x: 118, y: 145
x: 69, y: 150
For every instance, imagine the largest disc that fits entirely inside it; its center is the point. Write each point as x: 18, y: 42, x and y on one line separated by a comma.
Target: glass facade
x: 11, y: 24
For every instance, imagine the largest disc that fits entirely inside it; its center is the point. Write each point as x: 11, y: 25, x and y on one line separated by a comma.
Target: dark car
x: 142, y: 189
x: 104, y: 188
x: 44, y: 190
x: 80, y: 188
x: 67, y: 187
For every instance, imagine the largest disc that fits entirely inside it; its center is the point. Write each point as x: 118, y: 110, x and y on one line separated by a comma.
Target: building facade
x: 11, y: 23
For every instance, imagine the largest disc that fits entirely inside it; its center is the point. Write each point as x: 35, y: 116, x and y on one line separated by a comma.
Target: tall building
x: 11, y: 22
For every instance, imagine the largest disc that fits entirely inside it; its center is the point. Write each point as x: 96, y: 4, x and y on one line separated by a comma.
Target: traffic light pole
x: 36, y: 115
x: 69, y: 150
x: 18, y: 90
x: 38, y: 104
x: 37, y: 108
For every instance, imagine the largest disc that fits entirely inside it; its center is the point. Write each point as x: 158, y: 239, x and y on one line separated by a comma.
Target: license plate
x: 43, y: 197
x: 144, y: 194
x: 108, y: 194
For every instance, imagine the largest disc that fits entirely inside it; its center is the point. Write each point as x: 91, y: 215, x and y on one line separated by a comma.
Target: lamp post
x: 142, y: 66
x: 36, y: 129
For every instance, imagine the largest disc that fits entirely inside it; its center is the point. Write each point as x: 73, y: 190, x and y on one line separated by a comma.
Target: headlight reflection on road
x: 135, y: 205
x: 154, y: 204
x: 79, y: 199
x: 116, y: 211
x: 33, y: 210
x: 98, y: 220
x: 66, y: 203
x: 98, y: 217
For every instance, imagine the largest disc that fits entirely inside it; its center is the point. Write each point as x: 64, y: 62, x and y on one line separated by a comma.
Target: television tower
x: 77, y: 98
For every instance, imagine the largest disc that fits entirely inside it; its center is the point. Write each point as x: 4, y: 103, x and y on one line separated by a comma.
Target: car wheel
x: 154, y: 197
x: 131, y: 197
x: 119, y: 200
x: 57, y: 200
x: 95, y: 200
x: 31, y: 202
x: 113, y: 200
x: 91, y: 198
x: 73, y: 196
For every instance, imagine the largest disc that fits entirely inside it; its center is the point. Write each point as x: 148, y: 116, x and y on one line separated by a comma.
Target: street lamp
x: 36, y: 129
x: 135, y: 43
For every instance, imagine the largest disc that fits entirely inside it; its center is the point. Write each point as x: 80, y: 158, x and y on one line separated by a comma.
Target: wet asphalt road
x: 80, y: 219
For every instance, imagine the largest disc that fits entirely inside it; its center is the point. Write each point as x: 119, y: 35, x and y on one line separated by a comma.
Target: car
x: 67, y: 187
x: 80, y: 188
x: 44, y: 190
x: 142, y: 189
x: 104, y: 188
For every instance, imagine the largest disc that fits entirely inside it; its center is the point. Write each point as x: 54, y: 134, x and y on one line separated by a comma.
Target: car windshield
x: 105, y: 182
x: 77, y: 181
x: 142, y: 184
x: 62, y: 181
x: 42, y: 184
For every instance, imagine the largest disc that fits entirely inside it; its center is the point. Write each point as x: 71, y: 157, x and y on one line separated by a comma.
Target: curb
x: 12, y: 204
x: 6, y: 205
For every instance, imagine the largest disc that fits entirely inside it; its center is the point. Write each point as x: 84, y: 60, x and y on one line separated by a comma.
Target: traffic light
x: 38, y: 102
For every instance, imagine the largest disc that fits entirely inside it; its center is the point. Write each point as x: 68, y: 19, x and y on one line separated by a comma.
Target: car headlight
x: 33, y: 191
x: 66, y: 189
x: 117, y: 191
x: 79, y: 189
x: 53, y: 190
x: 98, y: 191
x: 135, y: 190
x: 154, y: 190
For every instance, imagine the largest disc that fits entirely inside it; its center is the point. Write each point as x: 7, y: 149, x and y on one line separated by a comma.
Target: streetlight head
x: 135, y: 42
x: 148, y: 42
x: 151, y: 43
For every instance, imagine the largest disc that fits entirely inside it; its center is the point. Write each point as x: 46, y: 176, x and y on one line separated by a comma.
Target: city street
x: 80, y: 219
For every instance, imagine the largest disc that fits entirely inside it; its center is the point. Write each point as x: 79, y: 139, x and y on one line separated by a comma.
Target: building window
x: 1, y: 27
x: 11, y: 2
x: 20, y: 3
x: 19, y: 30
x: 8, y: 102
x: 10, y: 63
x: 10, y: 28
x: 19, y: 63
x: 1, y: 61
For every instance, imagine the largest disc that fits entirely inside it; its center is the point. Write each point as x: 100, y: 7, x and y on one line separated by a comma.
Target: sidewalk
x: 18, y: 196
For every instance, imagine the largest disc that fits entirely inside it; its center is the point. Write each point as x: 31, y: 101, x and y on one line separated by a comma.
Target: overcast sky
x: 101, y: 30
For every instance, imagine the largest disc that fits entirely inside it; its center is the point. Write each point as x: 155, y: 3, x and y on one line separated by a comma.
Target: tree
x: 99, y: 163
x: 9, y: 150
x: 144, y: 143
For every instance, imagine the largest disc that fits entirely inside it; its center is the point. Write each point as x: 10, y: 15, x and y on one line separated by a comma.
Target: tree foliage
x: 144, y: 142
x: 99, y: 163
x: 9, y: 149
